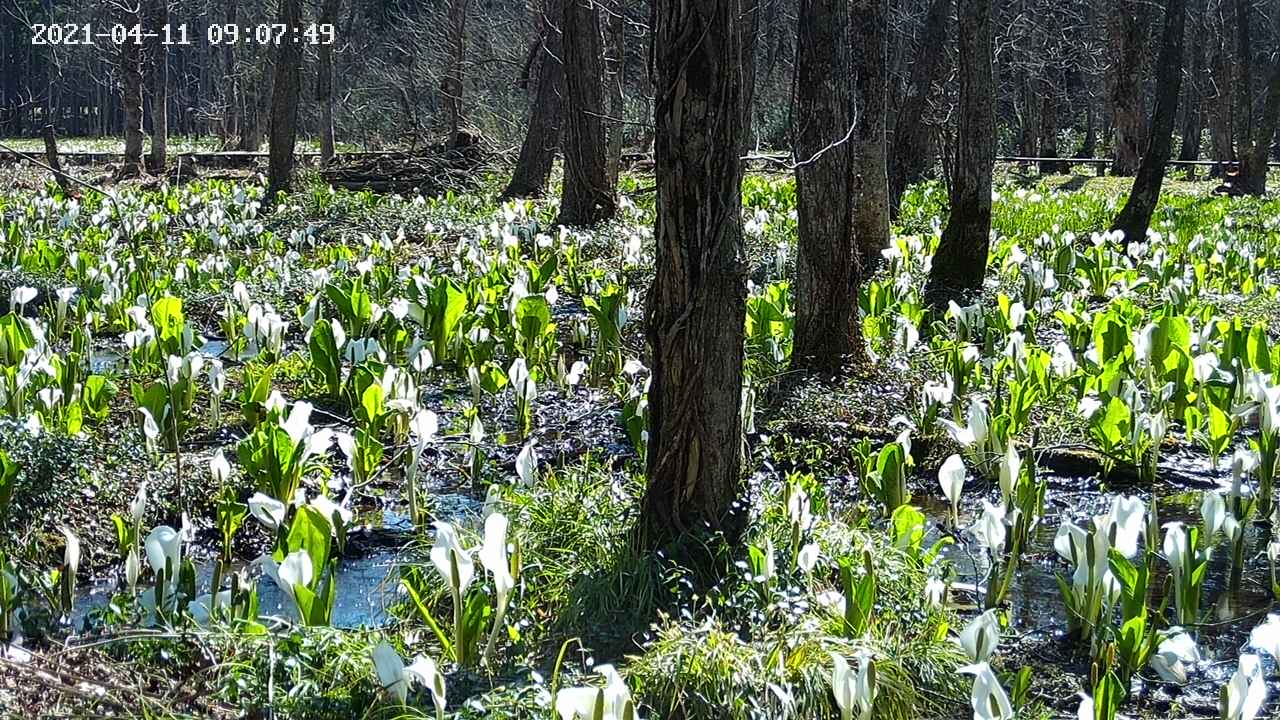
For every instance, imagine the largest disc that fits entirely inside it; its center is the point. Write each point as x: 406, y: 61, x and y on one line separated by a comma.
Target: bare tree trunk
x: 159, y: 18
x: 231, y: 100
x: 587, y: 197
x: 870, y: 182
x: 615, y: 72
x: 131, y: 97
x: 538, y: 152
x: 704, y: 61
x: 1049, y: 128
x: 1135, y: 217
x: 1253, y: 166
x: 1244, y: 77
x: 1220, y: 99
x: 827, y: 333
x: 451, y: 85
x: 1090, y: 145
x: 1029, y: 132
x: 1192, y: 111
x: 1124, y: 27
x: 961, y: 260
x: 911, y: 154
x: 285, y: 93
x: 324, y: 84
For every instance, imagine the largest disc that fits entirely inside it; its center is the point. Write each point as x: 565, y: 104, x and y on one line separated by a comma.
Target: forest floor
x: 373, y: 312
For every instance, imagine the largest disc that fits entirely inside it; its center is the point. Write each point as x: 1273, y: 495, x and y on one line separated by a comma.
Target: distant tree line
x: 1072, y: 78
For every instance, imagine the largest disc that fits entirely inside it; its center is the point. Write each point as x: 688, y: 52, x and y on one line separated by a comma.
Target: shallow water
x: 1034, y: 601
x: 368, y: 581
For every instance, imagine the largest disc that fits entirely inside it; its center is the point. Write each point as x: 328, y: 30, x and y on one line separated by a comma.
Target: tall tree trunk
x: 1135, y: 217
x: 1089, y: 147
x: 1244, y: 75
x: 159, y: 18
x: 615, y: 72
x: 704, y: 60
x: 827, y: 332
x: 870, y: 182
x: 131, y: 97
x: 538, y: 152
x: 911, y: 154
x: 1124, y: 27
x: 1220, y: 99
x: 1029, y: 132
x: 231, y: 100
x: 324, y: 84
x: 285, y: 93
x: 451, y: 85
x: 1049, y: 128
x: 1253, y: 166
x: 587, y: 198
x: 961, y: 260
x: 1192, y: 110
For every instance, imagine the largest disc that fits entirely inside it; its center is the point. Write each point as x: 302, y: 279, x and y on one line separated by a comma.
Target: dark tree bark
x: 538, y: 152
x: 870, y: 183
x: 1049, y: 129
x: 1089, y: 146
x: 1029, y: 135
x: 451, y: 84
x: 324, y: 84
x: 1135, y: 217
x: 615, y: 72
x: 586, y: 198
x: 1253, y: 165
x: 827, y: 334
x: 231, y: 99
x: 158, y: 13
x: 704, y: 61
x: 131, y: 97
x: 1192, y: 110
x: 284, y: 104
x: 1124, y: 28
x: 911, y: 154
x: 1220, y: 99
x: 1244, y: 75
x: 961, y: 260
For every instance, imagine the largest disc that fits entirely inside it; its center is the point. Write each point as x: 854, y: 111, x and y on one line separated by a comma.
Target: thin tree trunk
x: 1124, y: 26
x: 324, y: 84
x: 1193, y: 111
x: 1090, y: 145
x: 451, y: 85
x: 870, y: 181
x: 1049, y: 129
x: 961, y: 260
x: 704, y: 61
x: 1135, y: 217
x: 615, y: 72
x: 285, y: 93
x: 1253, y: 166
x: 1244, y: 79
x: 827, y: 333
x: 587, y: 197
x: 911, y: 154
x: 159, y: 14
x: 131, y: 97
x: 231, y: 126
x: 538, y: 152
